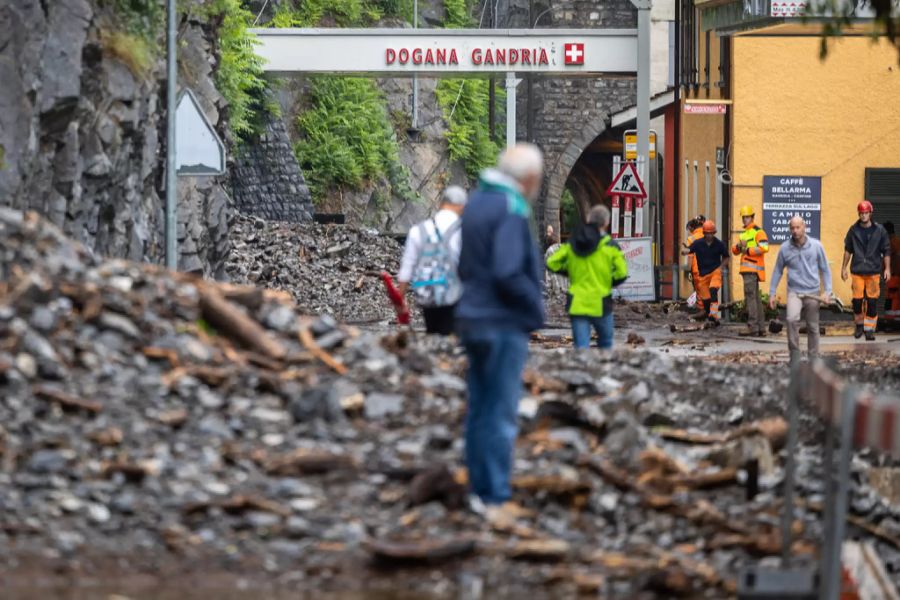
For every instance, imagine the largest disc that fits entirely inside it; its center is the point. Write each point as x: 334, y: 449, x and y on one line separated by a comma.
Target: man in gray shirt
x: 808, y: 271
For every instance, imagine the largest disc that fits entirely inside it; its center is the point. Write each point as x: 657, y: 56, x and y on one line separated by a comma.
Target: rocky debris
x: 205, y: 426
x: 329, y: 270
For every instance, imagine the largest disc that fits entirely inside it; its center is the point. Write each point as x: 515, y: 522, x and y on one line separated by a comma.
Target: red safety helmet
x: 864, y: 206
x: 709, y: 227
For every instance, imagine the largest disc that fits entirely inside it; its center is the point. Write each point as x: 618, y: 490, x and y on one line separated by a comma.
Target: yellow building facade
x: 793, y: 114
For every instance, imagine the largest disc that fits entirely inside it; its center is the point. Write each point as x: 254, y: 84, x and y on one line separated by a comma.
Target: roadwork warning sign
x: 627, y: 182
x: 787, y: 195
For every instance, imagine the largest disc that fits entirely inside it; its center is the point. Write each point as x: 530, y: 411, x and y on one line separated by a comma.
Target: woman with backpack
x: 430, y: 260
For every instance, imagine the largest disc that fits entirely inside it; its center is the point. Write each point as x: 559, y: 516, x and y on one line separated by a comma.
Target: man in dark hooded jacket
x: 595, y: 264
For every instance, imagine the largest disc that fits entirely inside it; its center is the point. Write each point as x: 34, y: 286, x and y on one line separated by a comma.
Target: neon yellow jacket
x: 594, y: 265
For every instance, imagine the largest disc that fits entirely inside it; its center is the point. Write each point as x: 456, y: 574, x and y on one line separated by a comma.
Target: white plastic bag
x: 692, y: 300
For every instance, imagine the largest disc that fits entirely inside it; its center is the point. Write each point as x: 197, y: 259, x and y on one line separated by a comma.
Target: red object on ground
x: 396, y: 298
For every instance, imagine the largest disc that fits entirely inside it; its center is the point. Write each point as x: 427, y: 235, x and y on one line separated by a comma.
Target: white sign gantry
x: 448, y: 51
x: 437, y: 52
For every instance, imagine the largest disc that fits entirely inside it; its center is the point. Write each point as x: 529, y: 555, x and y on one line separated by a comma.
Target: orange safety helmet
x: 709, y: 227
x: 864, y: 207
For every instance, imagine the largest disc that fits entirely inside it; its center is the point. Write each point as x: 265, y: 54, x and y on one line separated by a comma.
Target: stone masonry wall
x: 82, y: 133
x: 266, y: 180
x: 568, y: 113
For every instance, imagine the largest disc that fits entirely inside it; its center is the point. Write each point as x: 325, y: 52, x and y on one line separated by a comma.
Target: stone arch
x: 558, y: 174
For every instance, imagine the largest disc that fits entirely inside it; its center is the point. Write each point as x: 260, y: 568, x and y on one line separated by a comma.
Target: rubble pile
x: 329, y: 269
x: 153, y: 422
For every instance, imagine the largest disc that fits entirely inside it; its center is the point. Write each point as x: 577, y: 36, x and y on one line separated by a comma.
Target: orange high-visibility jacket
x: 756, y: 244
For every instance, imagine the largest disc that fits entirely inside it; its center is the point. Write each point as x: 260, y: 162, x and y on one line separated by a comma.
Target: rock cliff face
x: 82, y: 133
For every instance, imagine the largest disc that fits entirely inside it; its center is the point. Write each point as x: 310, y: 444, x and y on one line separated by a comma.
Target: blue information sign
x: 787, y: 195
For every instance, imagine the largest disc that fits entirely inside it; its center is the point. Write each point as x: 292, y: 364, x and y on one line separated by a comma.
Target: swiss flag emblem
x: 574, y: 54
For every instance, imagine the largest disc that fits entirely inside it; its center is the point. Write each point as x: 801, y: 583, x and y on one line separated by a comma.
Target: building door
x: 883, y: 191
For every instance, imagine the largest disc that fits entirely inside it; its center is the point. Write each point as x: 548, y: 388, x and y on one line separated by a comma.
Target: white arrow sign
x: 198, y: 149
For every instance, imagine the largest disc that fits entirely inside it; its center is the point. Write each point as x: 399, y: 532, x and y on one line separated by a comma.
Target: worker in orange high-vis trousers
x: 868, y: 245
x: 752, y: 246
x: 694, y: 230
x: 712, y: 256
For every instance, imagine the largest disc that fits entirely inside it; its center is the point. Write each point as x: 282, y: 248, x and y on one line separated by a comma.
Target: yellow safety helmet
x: 747, y: 211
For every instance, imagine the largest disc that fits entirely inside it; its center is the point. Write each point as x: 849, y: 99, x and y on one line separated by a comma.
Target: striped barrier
x: 876, y: 419
x: 851, y: 414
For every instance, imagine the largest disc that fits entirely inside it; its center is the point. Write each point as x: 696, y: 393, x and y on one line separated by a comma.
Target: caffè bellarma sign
x: 452, y: 51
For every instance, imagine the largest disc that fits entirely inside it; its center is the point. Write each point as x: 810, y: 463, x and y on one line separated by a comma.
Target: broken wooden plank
x: 307, y: 462
x: 552, y: 550
x: 238, y: 504
x: 875, y: 530
x: 66, y: 401
x: 425, y: 551
x: 309, y: 343
x: 232, y: 322
x: 774, y: 429
x: 554, y: 484
x: 169, y: 354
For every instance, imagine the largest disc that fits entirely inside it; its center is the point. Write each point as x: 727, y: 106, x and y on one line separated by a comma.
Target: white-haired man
x: 501, y: 271
x: 430, y: 260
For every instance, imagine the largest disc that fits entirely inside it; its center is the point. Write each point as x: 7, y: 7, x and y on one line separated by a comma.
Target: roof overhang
x: 658, y: 104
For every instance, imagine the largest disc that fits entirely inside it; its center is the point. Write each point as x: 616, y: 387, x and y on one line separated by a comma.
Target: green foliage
x: 459, y: 13
x: 135, y: 51
x: 343, y: 13
x: 838, y: 16
x: 142, y: 18
x: 465, y: 105
x: 347, y: 139
x: 239, y: 77
x: 569, y: 216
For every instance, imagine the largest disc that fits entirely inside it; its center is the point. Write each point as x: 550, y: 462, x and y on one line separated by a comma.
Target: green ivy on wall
x: 239, y: 77
x: 347, y: 139
x: 465, y: 105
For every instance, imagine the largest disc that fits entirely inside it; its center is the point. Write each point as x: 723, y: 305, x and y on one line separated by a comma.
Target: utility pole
x: 415, y: 82
x: 643, y: 92
x: 171, y: 185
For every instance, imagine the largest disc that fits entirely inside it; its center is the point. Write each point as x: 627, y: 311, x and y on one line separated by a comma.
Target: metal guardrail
x: 854, y: 417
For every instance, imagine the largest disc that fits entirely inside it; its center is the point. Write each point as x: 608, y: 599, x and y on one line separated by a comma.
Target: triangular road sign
x: 627, y: 183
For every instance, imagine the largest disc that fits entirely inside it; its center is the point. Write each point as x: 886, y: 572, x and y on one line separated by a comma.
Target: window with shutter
x: 883, y: 191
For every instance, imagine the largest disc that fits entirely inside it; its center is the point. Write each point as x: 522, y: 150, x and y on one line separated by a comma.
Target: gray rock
x: 298, y: 527
x: 282, y: 319
x: 262, y: 520
x: 43, y: 319
x: 50, y: 461
x: 98, y: 513
x: 380, y: 405
x: 119, y: 323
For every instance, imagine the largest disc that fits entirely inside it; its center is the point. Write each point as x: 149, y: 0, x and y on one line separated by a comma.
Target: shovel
x: 834, y: 303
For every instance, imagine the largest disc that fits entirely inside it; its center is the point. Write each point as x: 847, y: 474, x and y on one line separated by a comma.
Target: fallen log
x: 229, y: 320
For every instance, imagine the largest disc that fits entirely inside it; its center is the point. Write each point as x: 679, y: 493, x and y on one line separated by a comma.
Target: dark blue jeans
x: 581, y: 330
x: 496, y: 361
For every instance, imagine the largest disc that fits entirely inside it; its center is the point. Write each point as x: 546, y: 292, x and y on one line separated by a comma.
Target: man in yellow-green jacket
x: 594, y: 264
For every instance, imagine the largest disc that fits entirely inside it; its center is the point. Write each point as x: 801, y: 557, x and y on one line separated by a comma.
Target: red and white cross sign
x: 574, y: 54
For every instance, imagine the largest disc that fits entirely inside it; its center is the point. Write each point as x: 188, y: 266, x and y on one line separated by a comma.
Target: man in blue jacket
x: 502, y: 303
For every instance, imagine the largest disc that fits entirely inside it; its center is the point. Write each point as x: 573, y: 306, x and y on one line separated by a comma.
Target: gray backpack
x: 435, y: 281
